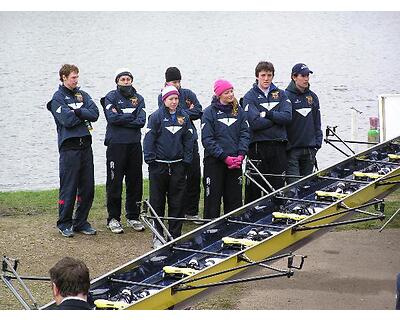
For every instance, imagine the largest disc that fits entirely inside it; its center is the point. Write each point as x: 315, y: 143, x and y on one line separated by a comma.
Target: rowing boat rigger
x: 253, y: 234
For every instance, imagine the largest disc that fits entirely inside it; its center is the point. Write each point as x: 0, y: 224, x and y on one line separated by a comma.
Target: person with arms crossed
x: 124, y: 109
x: 268, y: 112
x: 73, y: 111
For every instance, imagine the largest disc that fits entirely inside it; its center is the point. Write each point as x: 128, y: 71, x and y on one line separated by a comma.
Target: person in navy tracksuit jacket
x: 168, y: 147
x: 190, y: 104
x: 124, y: 110
x: 304, y: 132
x: 225, y: 136
x: 73, y: 111
x: 269, y: 111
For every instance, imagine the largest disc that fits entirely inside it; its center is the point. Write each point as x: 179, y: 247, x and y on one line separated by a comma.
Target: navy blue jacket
x: 267, y: 115
x: 123, y: 126
x: 168, y: 138
x: 72, y: 124
x: 222, y: 133
x: 305, y: 128
x: 187, y: 98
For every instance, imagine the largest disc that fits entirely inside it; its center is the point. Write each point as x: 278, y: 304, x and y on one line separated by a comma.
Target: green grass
x: 392, y: 203
x: 46, y: 202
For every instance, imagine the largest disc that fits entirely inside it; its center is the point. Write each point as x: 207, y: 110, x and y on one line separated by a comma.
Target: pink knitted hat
x: 168, y: 91
x: 220, y: 86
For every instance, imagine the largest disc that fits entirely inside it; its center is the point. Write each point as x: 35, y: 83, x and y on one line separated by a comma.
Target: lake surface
x: 354, y: 56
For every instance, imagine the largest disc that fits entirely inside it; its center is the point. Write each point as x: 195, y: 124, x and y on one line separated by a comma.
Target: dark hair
x: 71, y: 276
x: 66, y: 70
x: 264, y: 66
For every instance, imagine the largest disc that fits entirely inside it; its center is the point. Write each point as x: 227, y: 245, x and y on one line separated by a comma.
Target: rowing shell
x: 285, y: 218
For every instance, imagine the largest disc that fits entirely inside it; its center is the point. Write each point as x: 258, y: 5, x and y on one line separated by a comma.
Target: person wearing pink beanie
x: 220, y: 86
x: 225, y: 137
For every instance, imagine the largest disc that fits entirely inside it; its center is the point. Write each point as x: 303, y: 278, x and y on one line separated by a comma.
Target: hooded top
x: 305, y: 129
x: 267, y: 115
x: 70, y: 123
x: 124, y: 125
x: 169, y: 137
x: 223, y: 133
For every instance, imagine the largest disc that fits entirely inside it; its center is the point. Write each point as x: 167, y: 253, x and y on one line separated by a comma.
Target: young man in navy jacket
x: 304, y: 132
x: 73, y: 111
x: 269, y: 111
x: 124, y: 109
x: 168, y: 147
x: 190, y: 104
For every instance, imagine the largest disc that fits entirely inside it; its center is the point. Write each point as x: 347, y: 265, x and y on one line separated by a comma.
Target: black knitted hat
x: 172, y: 74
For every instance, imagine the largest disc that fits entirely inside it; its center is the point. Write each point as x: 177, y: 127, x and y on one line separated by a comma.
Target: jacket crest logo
x: 79, y: 97
x: 275, y: 94
x: 134, y: 101
x: 181, y: 120
x: 309, y: 100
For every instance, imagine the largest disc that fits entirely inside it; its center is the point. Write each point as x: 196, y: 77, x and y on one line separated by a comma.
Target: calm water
x: 354, y: 56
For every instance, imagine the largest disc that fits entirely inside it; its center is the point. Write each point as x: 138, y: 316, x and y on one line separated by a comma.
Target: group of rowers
x: 278, y: 130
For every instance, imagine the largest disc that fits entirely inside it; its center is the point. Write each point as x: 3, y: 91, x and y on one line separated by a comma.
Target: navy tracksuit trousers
x: 220, y: 182
x: 124, y: 160
x: 168, y: 182
x: 76, y: 183
x: 192, y: 191
x: 269, y: 157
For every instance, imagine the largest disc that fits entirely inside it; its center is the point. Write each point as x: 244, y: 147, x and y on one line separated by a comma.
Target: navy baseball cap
x: 301, y: 68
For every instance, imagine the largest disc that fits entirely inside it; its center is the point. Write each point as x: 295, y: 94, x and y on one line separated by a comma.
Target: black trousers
x: 76, y: 183
x: 220, y: 182
x: 192, y: 192
x: 268, y: 157
x: 301, y: 162
x: 168, y: 182
x: 124, y: 160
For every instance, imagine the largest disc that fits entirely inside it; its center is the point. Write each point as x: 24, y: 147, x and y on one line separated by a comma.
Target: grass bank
x: 45, y: 202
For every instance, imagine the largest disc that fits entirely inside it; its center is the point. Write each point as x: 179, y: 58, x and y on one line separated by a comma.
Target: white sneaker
x: 157, y: 243
x: 194, y: 217
x: 135, y: 224
x: 115, y: 226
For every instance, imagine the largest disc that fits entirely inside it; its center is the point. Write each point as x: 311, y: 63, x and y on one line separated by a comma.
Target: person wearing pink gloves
x: 225, y: 136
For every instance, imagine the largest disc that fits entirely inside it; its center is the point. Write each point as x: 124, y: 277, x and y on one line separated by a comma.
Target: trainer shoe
x: 115, y: 226
x: 67, y: 232
x: 157, y: 243
x: 90, y: 231
x: 135, y: 224
x: 196, y: 216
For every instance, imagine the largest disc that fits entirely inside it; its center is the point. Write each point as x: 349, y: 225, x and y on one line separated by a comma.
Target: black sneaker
x: 67, y: 232
x: 90, y: 231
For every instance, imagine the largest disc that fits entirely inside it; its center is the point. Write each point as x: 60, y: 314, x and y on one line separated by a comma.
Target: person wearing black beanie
x: 189, y: 103
x: 172, y: 74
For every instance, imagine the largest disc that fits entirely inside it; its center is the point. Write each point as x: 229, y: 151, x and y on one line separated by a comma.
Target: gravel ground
x: 343, y: 270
